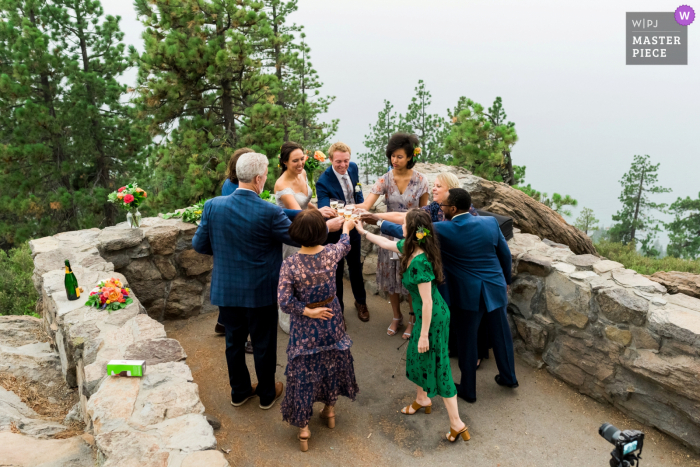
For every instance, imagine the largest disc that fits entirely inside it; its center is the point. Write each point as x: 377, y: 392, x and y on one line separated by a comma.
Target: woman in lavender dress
x: 319, y: 363
x: 403, y: 189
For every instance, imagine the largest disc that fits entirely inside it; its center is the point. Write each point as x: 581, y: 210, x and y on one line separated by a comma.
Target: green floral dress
x: 430, y: 370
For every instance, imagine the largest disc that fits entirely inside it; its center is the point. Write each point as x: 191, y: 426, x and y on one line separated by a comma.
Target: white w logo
x: 685, y: 15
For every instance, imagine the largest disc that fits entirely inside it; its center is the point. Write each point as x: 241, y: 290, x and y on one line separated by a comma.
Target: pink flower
x: 121, y: 189
x: 128, y: 199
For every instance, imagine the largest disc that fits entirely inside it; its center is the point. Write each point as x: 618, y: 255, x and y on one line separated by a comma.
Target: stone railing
x: 156, y: 420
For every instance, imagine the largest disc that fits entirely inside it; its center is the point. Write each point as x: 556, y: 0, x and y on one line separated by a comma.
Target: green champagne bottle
x: 71, y: 283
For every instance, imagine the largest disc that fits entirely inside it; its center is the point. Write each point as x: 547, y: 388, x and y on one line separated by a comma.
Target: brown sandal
x: 453, y: 435
x: 304, y: 442
x: 416, y: 407
x: 330, y: 421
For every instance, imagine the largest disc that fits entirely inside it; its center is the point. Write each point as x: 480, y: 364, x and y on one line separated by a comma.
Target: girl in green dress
x: 427, y: 359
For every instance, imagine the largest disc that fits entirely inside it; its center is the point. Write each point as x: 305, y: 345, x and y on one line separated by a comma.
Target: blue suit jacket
x: 245, y: 234
x: 476, y: 259
x: 228, y: 188
x: 328, y: 187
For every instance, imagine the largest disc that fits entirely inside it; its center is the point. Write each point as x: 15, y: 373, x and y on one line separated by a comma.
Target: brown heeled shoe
x: 304, y: 442
x: 453, y: 435
x: 330, y: 421
x: 416, y: 407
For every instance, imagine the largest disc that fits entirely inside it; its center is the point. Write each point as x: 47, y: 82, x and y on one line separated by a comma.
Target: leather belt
x: 320, y: 304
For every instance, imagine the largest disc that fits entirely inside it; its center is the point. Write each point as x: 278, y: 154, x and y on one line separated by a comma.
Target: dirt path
x: 542, y: 423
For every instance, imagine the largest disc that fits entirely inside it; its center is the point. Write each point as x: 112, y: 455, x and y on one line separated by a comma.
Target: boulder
x: 631, y: 279
x: 184, y: 300
x: 119, y: 238
x: 601, y: 267
x: 621, y: 306
x: 25, y: 451
x: 14, y: 412
x: 621, y: 336
x: 583, y: 262
x: 162, y: 239
x: 566, y: 268
x: 141, y: 269
x: 567, y: 301
x: 535, y: 265
x: 165, y: 266
x: 644, y: 339
x: 678, y: 282
x: 526, y: 295
x: 678, y: 374
x: 155, y: 351
x: 534, y: 335
x: 195, y: 263
x: 675, y: 322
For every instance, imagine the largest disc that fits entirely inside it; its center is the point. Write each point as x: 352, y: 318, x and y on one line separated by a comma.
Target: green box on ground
x: 126, y: 367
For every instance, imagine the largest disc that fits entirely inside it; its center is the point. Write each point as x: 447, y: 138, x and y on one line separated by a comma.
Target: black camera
x: 628, y: 445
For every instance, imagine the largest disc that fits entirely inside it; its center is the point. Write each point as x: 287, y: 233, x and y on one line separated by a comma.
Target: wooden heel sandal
x: 453, y: 435
x: 416, y: 407
x: 304, y: 442
x: 330, y: 421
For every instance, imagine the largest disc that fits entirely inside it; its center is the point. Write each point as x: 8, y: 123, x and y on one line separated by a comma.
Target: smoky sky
x: 581, y: 114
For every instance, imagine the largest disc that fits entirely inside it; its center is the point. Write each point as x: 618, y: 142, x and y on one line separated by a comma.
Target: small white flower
x: 357, y: 189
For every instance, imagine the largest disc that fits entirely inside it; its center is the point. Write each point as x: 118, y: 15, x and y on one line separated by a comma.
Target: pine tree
x: 374, y: 161
x: 637, y: 185
x: 684, y: 230
x: 36, y: 198
x: 431, y: 129
x: 481, y: 141
x: 586, y: 221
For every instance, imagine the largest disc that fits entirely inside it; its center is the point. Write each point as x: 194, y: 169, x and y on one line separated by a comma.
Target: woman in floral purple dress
x: 319, y: 363
x: 403, y: 189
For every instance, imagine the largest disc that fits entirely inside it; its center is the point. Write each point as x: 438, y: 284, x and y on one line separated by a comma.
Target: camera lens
x: 609, y: 432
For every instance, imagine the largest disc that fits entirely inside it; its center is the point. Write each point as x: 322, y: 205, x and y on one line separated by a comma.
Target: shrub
x: 17, y: 293
x: 632, y: 259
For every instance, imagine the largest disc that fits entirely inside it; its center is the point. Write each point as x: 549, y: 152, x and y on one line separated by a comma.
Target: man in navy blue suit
x: 245, y: 235
x: 477, y: 263
x: 342, y: 182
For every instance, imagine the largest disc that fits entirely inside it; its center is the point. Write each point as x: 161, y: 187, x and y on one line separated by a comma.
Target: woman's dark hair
x: 309, y: 228
x: 287, y: 149
x: 404, y: 141
x: 416, y: 218
x: 231, y: 167
x: 459, y: 198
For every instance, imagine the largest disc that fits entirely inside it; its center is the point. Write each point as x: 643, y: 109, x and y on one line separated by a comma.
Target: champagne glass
x: 348, y: 213
x: 341, y: 207
x: 334, y: 204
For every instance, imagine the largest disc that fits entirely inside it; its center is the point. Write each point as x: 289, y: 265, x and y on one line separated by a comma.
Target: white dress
x: 287, y: 250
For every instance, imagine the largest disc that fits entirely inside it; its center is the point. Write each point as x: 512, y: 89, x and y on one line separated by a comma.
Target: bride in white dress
x: 292, y: 191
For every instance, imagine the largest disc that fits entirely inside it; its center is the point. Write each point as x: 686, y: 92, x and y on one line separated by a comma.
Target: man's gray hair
x: 250, y: 165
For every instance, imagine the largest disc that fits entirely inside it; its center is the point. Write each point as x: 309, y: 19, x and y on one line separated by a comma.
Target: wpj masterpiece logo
x: 659, y: 38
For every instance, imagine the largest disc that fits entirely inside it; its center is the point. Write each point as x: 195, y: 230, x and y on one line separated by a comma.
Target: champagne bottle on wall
x: 71, y: 283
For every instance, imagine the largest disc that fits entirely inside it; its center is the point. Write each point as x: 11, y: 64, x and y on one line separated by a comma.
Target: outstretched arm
x: 369, y: 202
x: 378, y: 240
x: 201, y: 241
x: 425, y: 290
x: 391, y: 229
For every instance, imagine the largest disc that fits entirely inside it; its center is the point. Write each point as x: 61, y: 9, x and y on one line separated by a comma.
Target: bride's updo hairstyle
x: 286, y: 150
x: 309, y: 228
x: 404, y: 141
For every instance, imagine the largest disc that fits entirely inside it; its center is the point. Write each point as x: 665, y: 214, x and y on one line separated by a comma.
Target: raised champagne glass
x: 334, y: 204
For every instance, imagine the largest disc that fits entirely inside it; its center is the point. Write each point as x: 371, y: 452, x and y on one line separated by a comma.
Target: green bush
x: 632, y: 259
x: 17, y: 293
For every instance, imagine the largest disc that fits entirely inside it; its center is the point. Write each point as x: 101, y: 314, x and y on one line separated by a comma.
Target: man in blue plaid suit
x: 245, y: 235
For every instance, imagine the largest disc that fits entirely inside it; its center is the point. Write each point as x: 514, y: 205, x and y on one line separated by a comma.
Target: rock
x: 150, y: 291
x: 621, y: 336
x: 213, y: 421
x: 644, y: 339
x: 679, y: 374
x: 187, y: 433
x: 592, y: 356
x: 601, y: 267
x: 567, y: 300
x: 74, y: 415
x: 113, y: 404
x: 583, y: 262
x: 119, y: 238
x: 370, y: 265
x: 630, y: 278
x: 14, y: 412
x: 678, y: 282
x: 156, y: 351
x: 527, y: 355
x: 620, y: 306
x: 209, y: 458
x: 128, y: 448
x: 165, y: 266
x: 162, y: 239
x: 185, y: 299
x: 566, y: 268
x: 195, y: 263
x: 675, y: 322
x: 583, y: 275
x: 534, y: 335
x: 526, y: 295
x: 23, y: 451
x: 141, y: 269
x: 535, y: 265
x: 548, y: 242
x: 685, y: 301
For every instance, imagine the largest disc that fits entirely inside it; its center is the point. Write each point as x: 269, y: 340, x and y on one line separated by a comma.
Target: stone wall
x: 156, y: 420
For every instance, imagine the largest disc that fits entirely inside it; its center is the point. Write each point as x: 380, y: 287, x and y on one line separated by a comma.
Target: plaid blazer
x: 245, y: 235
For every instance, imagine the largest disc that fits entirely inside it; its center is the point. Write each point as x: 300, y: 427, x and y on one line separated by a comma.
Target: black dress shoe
x: 220, y: 329
x: 500, y: 382
x: 463, y: 397
x: 248, y: 347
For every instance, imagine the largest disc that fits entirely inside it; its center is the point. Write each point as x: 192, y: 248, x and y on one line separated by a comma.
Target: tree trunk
x: 636, y: 208
x: 278, y: 72
x: 510, y: 179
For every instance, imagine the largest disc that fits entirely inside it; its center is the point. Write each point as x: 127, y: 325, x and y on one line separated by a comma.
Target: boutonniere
x: 358, y: 187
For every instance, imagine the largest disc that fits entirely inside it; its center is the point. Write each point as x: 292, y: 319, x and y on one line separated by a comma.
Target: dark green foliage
x: 374, y: 161
x: 431, y: 129
x: 633, y: 259
x: 481, y: 141
x: 17, y: 293
x: 586, y: 221
x: 684, y: 230
x: 557, y: 202
x: 637, y: 184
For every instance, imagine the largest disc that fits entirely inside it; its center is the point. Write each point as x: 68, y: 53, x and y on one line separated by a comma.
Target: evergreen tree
x: 684, y: 230
x: 586, y: 221
x: 481, y: 141
x: 374, y: 161
x: 557, y: 202
x: 431, y: 129
x: 637, y: 185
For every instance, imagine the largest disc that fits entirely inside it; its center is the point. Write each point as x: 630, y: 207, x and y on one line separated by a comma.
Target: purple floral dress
x: 319, y: 363
x: 388, y: 270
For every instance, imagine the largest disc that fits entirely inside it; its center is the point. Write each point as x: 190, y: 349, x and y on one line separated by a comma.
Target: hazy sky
x: 581, y: 114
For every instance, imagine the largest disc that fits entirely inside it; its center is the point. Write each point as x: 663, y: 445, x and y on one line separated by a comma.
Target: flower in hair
x: 421, y: 233
x: 417, y: 151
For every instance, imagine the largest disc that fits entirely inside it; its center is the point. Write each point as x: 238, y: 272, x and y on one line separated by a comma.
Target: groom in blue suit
x: 342, y: 181
x: 477, y: 264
